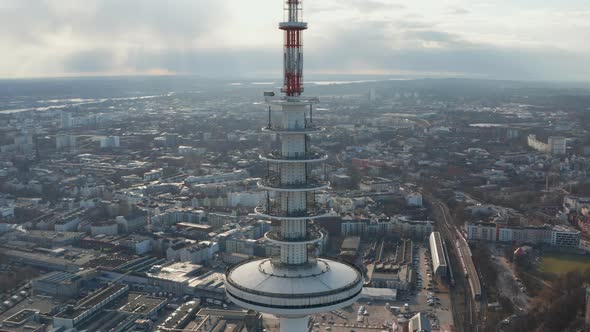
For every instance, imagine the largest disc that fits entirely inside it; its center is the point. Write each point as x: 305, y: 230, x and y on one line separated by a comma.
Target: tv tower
x: 296, y: 283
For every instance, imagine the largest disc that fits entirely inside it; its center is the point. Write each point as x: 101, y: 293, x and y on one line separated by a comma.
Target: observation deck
x: 275, y: 213
x: 309, y: 129
x: 291, y: 100
x: 293, y: 26
x: 312, y: 236
x: 293, y: 290
x: 312, y: 184
x: 277, y: 157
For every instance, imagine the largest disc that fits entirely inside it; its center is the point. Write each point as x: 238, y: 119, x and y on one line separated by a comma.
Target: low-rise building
x: 86, y: 308
x: 419, y: 323
x: 60, y: 284
x: 107, y: 227
x: 557, y: 236
x: 419, y: 229
x: 382, y: 275
x: 50, y: 238
x: 439, y: 261
x: 216, y: 178
x: 132, y: 223
x: 26, y: 320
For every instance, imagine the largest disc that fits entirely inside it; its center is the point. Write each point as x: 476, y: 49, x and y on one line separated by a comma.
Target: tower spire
x: 293, y: 48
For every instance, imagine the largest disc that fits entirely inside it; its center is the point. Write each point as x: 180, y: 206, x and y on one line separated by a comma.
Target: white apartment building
x: 110, y: 142
x: 216, y: 178
x: 558, y: 236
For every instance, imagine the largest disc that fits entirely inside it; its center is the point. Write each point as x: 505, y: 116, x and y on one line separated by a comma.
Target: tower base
x: 294, y: 324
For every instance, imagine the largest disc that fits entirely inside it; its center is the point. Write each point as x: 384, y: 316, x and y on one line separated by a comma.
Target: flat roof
x: 20, y: 316
x: 209, y: 281
x: 179, y: 314
x: 90, y: 301
x: 140, y: 303
x: 373, y: 292
x: 438, y: 247
x: 57, y: 277
x: 420, y: 323
x: 71, y: 258
x: 351, y: 243
x: 179, y: 272
x: 195, y: 226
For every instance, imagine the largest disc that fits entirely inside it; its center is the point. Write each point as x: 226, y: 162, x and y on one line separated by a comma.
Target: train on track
x: 466, y: 261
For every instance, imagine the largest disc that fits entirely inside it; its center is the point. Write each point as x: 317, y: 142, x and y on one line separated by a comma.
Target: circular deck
x: 322, y: 285
x: 313, y: 184
x: 308, y: 130
x: 309, y: 158
x: 278, y: 215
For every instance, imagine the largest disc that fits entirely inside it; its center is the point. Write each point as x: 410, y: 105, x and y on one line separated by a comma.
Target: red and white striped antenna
x: 293, y: 48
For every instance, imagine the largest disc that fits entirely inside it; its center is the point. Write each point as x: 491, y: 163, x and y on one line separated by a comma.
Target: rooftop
x: 58, y: 277
x: 21, y: 317
x: 262, y: 277
x: 139, y: 303
x: 180, y: 314
x: 179, y: 272
x: 90, y: 301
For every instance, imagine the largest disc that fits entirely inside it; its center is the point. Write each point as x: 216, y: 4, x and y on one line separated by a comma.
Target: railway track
x: 468, y: 279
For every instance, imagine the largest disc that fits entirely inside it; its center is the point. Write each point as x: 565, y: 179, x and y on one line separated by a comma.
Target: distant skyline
x: 499, y: 39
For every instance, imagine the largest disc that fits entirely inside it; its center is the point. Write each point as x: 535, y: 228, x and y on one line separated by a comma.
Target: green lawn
x: 563, y: 263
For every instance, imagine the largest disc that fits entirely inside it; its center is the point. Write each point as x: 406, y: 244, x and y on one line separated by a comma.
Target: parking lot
x: 433, y: 293
x: 431, y: 297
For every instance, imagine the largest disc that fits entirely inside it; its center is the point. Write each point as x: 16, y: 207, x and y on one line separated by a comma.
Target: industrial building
x: 180, y: 318
x: 86, y: 308
x: 379, y: 294
x: 112, y: 308
x: 439, y: 261
x: 399, y: 277
x: 213, y: 320
x: 142, y: 305
x: 59, y: 284
x: 60, y: 259
x: 26, y: 320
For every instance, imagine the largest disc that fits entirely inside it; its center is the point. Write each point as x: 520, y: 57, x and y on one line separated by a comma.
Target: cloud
x: 236, y: 38
x: 71, y: 36
x: 434, y: 38
x: 457, y: 11
x: 90, y: 61
x: 363, y: 6
x: 374, y: 5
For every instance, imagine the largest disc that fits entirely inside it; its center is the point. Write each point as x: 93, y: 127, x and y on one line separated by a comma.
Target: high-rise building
x: 557, y: 145
x: 110, y: 142
x: 65, y: 141
x: 296, y: 283
x: 66, y: 120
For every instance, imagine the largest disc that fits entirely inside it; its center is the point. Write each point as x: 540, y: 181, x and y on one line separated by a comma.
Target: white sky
x: 519, y: 39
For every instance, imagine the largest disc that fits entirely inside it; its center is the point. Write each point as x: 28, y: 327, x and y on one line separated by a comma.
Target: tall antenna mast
x: 293, y: 48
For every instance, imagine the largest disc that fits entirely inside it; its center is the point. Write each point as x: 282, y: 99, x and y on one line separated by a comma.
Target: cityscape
x: 294, y: 202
